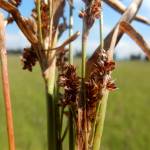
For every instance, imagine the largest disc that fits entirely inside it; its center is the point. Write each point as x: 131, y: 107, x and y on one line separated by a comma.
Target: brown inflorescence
x: 96, y: 9
x: 92, y: 11
x: 99, y: 79
x: 71, y: 84
x: 93, y: 95
x: 29, y: 59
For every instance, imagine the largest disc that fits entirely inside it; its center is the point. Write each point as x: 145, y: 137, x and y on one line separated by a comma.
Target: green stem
x: 83, y: 75
x: 50, y: 120
x: 100, y: 122
x: 50, y: 3
x: 84, y: 47
x: 101, y: 110
x: 39, y: 23
x: 51, y: 103
x: 71, y: 131
x: 65, y: 132
x: 94, y: 125
x: 70, y: 34
x: 71, y: 122
x: 57, y: 119
x: 101, y: 29
x: 51, y: 74
x: 61, y: 119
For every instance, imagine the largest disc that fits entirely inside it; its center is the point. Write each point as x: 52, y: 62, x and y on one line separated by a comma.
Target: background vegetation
x: 127, y: 120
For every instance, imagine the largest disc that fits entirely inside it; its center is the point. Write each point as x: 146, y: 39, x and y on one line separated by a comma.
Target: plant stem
x: 65, y: 132
x: 61, y: 119
x: 100, y: 122
x: 51, y: 124
x: 70, y: 33
x: 6, y: 88
x: 101, y: 27
x: 84, y: 47
x: 71, y: 131
x: 101, y: 110
x: 82, y: 138
x: 50, y: 120
x: 57, y: 120
x: 51, y: 104
x: 50, y: 3
x: 94, y: 125
x: 39, y: 23
x: 71, y: 122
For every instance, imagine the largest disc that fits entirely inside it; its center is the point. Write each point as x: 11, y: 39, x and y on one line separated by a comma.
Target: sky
x: 15, y: 39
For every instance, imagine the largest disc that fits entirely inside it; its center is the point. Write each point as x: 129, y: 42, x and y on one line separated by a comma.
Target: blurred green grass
x: 127, y: 120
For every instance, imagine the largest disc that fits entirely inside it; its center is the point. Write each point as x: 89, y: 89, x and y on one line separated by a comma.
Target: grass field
x: 128, y: 116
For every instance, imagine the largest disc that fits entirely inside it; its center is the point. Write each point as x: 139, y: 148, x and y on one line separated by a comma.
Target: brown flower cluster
x: 96, y: 9
x: 29, y: 59
x: 99, y: 79
x: 71, y: 84
x: 92, y: 12
x: 93, y: 95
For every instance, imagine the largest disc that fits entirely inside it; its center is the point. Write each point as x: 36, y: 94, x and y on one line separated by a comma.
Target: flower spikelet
x: 29, y: 59
x: 71, y: 84
x: 99, y: 80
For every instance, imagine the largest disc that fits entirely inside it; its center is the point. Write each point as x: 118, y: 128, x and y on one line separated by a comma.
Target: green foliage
x: 127, y: 118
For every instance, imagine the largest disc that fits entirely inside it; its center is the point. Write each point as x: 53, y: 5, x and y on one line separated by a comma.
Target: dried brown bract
x: 29, y: 59
x: 71, y: 84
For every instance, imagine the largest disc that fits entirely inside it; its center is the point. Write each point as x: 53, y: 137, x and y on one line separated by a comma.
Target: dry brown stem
x: 6, y: 88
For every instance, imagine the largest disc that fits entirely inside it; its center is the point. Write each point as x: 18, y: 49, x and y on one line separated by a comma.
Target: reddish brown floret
x: 29, y: 59
x: 71, y: 84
